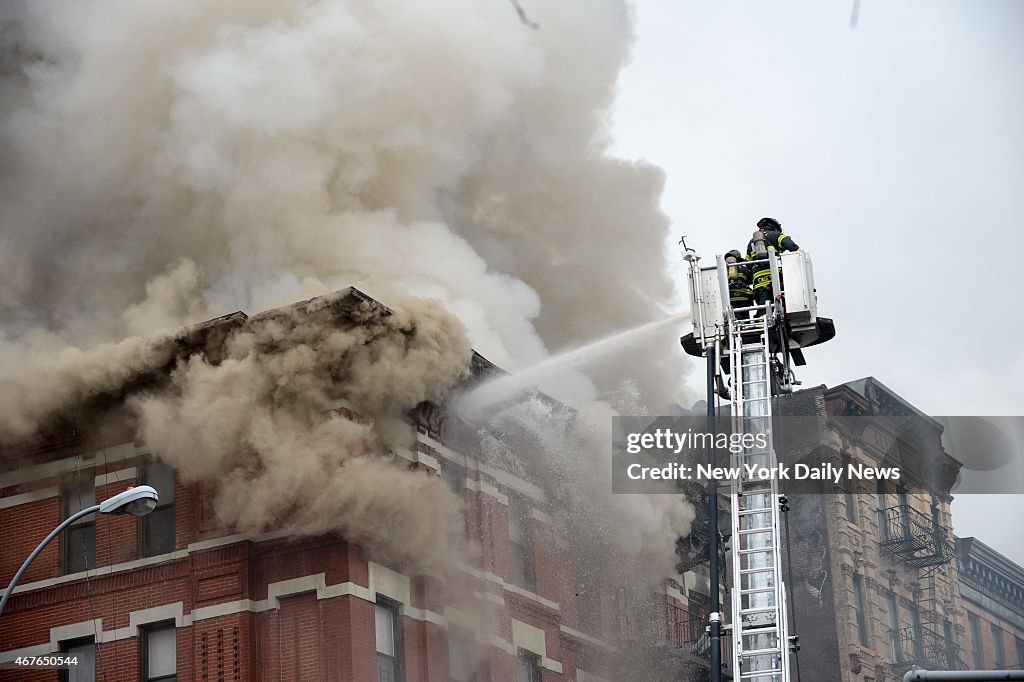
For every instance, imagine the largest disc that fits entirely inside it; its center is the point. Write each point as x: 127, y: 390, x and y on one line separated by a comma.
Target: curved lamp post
x: 137, y: 501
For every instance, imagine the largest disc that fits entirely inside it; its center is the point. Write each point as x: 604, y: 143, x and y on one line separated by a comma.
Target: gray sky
x: 892, y: 151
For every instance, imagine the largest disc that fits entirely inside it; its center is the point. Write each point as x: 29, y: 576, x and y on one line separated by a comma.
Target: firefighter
x: 769, y: 233
x: 740, y: 293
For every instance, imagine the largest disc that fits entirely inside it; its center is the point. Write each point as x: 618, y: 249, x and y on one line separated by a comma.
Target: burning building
x: 321, y: 516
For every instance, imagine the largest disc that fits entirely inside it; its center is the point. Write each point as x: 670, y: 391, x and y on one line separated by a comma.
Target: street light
x: 137, y: 501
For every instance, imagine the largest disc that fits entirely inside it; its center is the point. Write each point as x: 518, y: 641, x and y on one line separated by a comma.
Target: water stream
x: 473, y: 404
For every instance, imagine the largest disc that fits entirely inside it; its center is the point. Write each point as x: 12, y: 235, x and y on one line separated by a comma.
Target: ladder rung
x: 760, y: 673
x: 758, y: 609
x: 758, y: 590
x: 755, y: 549
x: 762, y: 631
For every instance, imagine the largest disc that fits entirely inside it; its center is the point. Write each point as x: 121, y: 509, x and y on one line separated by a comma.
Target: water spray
x: 473, y: 404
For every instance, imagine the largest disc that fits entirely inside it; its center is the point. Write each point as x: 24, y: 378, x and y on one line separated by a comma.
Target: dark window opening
x: 156, y: 529
x: 880, y: 503
x: 454, y: 477
x: 894, y: 627
x: 997, y: 647
x: 851, y: 504
x: 915, y: 621
x: 528, y: 667
x: 862, y: 623
x: 904, y: 504
x: 974, y: 630
x: 521, y: 538
x: 79, y: 540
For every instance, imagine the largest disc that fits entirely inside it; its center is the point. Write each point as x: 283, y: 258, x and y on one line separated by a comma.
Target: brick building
x: 172, y: 596
x: 992, y: 594
x: 874, y: 583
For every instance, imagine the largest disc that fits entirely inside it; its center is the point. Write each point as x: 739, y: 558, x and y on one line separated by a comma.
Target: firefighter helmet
x: 735, y: 254
x: 769, y: 224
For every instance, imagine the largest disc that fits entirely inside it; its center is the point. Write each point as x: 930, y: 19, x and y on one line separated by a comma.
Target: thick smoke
x: 284, y: 424
x: 166, y: 163
x: 268, y: 425
x: 39, y: 382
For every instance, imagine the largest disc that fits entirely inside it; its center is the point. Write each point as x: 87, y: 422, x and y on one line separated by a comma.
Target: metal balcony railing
x: 923, y: 647
x: 915, y: 538
x: 667, y: 625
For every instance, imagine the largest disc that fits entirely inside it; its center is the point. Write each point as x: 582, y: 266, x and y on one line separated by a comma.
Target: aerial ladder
x: 754, y: 348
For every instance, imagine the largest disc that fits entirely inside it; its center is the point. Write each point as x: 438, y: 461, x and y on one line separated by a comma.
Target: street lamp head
x: 137, y: 501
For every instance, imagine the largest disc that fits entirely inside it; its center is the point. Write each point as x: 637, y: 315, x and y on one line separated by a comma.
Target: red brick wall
x: 303, y: 638
x: 24, y: 527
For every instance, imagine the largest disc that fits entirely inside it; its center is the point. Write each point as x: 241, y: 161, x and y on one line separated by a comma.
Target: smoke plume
x: 264, y: 427
x: 164, y: 163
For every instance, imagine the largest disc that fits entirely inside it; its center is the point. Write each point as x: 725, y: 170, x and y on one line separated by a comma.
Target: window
x: 1020, y: 653
x: 997, y: 646
x: 901, y: 499
x: 156, y: 529
x: 454, y: 476
x: 528, y: 667
x: 862, y: 623
x: 883, y: 525
x: 79, y: 540
x: 389, y: 641
x: 915, y: 621
x: 462, y: 656
x: 851, y: 504
x: 974, y: 629
x: 160, y: 653
x: 85, y: 651
x: 521, y: 538
x: 894, y: 627
x: 588, y: 608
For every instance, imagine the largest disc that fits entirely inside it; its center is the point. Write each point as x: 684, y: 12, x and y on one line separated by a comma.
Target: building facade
x: 173, y: 596
x: 873, y: 583
x: 992, y: 594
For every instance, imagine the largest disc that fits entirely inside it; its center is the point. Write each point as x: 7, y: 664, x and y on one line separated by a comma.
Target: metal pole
x: 918, y: 675
x: 54, y: 533
x: 715, y: 617
x: 776, y: 288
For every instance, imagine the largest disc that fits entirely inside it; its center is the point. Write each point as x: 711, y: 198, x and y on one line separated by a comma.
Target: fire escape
x: 922, y: 543
x: 672, y: 639
x: 915, y: 539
